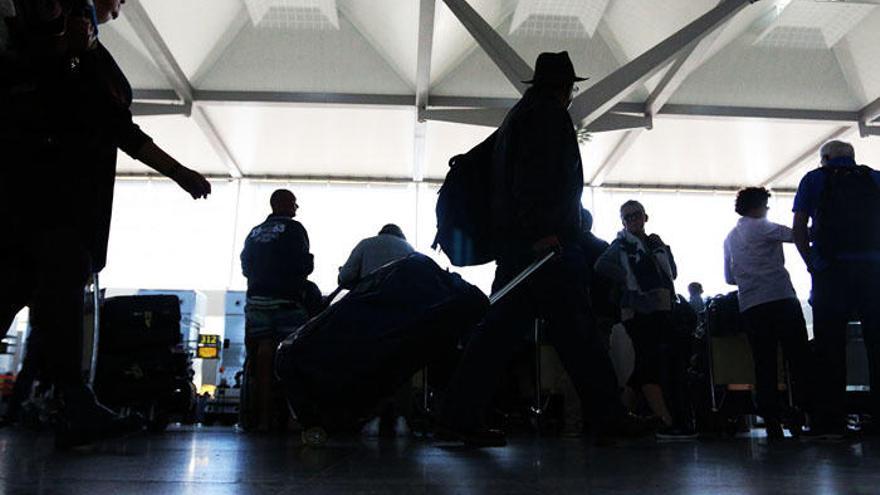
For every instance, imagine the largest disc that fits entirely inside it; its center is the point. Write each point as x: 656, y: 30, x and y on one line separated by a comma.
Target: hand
x: 549, y: 243
x: 192, y: 182
x: 80, y: 35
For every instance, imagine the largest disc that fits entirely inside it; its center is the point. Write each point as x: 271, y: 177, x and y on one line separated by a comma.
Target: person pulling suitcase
x: 535, y: 182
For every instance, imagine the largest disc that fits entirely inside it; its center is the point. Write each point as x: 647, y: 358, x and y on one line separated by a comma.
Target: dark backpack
x: 722, y: 315
x: 463, y: 207
x: 848, y: 215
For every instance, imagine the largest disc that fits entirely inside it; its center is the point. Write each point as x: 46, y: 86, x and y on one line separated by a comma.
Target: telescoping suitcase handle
x: 494, y: 298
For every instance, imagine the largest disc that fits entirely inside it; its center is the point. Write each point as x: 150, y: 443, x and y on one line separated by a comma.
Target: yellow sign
x: 209, y: 346
x: 208, y: 353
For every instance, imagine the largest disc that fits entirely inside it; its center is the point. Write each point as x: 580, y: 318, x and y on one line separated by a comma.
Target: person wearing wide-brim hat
x: 537, y: 183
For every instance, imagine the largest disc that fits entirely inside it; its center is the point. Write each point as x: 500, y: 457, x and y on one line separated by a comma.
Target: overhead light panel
x: 812, y: 24
x: 558, y: 18
x: 294, y: 14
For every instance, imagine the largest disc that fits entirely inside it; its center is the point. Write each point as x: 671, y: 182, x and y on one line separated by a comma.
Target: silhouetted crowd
x: 66, y: 112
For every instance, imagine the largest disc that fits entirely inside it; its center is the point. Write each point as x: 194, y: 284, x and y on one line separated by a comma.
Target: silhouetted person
x: 755, y: 263
x: 599, y: 286
x: 643, y: 267
x: 276, y: 261
x: 373, y: 252
x: 695, y: 297
x: 537, y: 183
x: 65, y: 112
x: 842, y: 252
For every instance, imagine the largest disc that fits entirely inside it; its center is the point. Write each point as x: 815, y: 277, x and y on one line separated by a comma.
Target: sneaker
x: 83, y: 420
x: 676, y: 434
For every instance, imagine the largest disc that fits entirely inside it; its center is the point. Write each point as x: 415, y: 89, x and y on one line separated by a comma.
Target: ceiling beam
x: 695, y: 56
x: 487, y: 117
x: 423, y: 85
x: 164, y: 59
x: 854, y: 2
x: 216, y: 141
x: 808, y: 154
x: 441, y: 101
x: 602, y: 96
x: 607, y: 37
x: 160, y: 53
x: 287, y: 97
x: 513, y: 66
x: 615, y: 157
x: 493, y: 117
x: 426, y: 45
x: 146, y: 109
x: 783, y: 114
x: 871, y: 112
x: 868, y: 116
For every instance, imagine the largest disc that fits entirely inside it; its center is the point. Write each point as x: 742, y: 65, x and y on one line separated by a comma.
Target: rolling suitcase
x: 337, y: 367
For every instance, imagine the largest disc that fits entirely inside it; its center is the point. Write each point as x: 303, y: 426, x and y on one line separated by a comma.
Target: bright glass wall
x: 162, y: 239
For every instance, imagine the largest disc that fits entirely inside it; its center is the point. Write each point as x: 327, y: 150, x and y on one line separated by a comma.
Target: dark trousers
x: 842, y: 293
x: 47, y: 272
x: 771, y: 325
x: 556, y: 292
x: 662, y: 356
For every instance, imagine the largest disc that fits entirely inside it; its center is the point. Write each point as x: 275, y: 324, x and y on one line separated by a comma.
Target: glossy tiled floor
x: 208, y: 461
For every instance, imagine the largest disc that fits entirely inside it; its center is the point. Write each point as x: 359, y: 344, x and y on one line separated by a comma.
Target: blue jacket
x: 276, y: 259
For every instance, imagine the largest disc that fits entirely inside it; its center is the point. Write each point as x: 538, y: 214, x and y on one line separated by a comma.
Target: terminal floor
x: 205, y: 461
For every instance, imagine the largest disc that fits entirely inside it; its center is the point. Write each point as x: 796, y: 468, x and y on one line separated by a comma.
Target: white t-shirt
x: 754, y: 261
x: 370, y: 254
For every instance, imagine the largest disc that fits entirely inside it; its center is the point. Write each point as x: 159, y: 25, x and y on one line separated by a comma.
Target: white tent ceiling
x: 364, y: 68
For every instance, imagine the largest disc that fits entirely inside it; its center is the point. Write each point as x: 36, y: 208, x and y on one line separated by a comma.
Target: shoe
x: 774, y: 430
x: 676, y: 434
x: 83, y: 420
x: 479, y: 438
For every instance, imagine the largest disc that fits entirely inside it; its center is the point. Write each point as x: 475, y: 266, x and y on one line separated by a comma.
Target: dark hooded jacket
x: 61, y: 126
x: 276, y: 259
x: 537, y: 176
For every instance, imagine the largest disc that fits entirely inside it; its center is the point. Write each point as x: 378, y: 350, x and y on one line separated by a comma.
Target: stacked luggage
x: 143, y: 365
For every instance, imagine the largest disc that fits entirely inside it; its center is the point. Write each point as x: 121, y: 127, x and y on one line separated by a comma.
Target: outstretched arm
x: 802, y: 237
x: 728, y: 266
x: 190, y: 180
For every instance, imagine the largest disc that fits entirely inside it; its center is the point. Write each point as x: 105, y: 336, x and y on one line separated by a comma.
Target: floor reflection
x: 215, y: 460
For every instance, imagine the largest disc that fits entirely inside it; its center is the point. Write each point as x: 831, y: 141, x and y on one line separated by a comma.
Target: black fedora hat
x: 554, y: 68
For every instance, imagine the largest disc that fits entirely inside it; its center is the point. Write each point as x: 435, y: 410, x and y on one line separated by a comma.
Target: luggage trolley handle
x: 96, y: 327
x: 494, y: 298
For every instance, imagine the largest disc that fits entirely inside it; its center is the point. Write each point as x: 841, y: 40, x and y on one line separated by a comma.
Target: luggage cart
x: 730, y: 371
